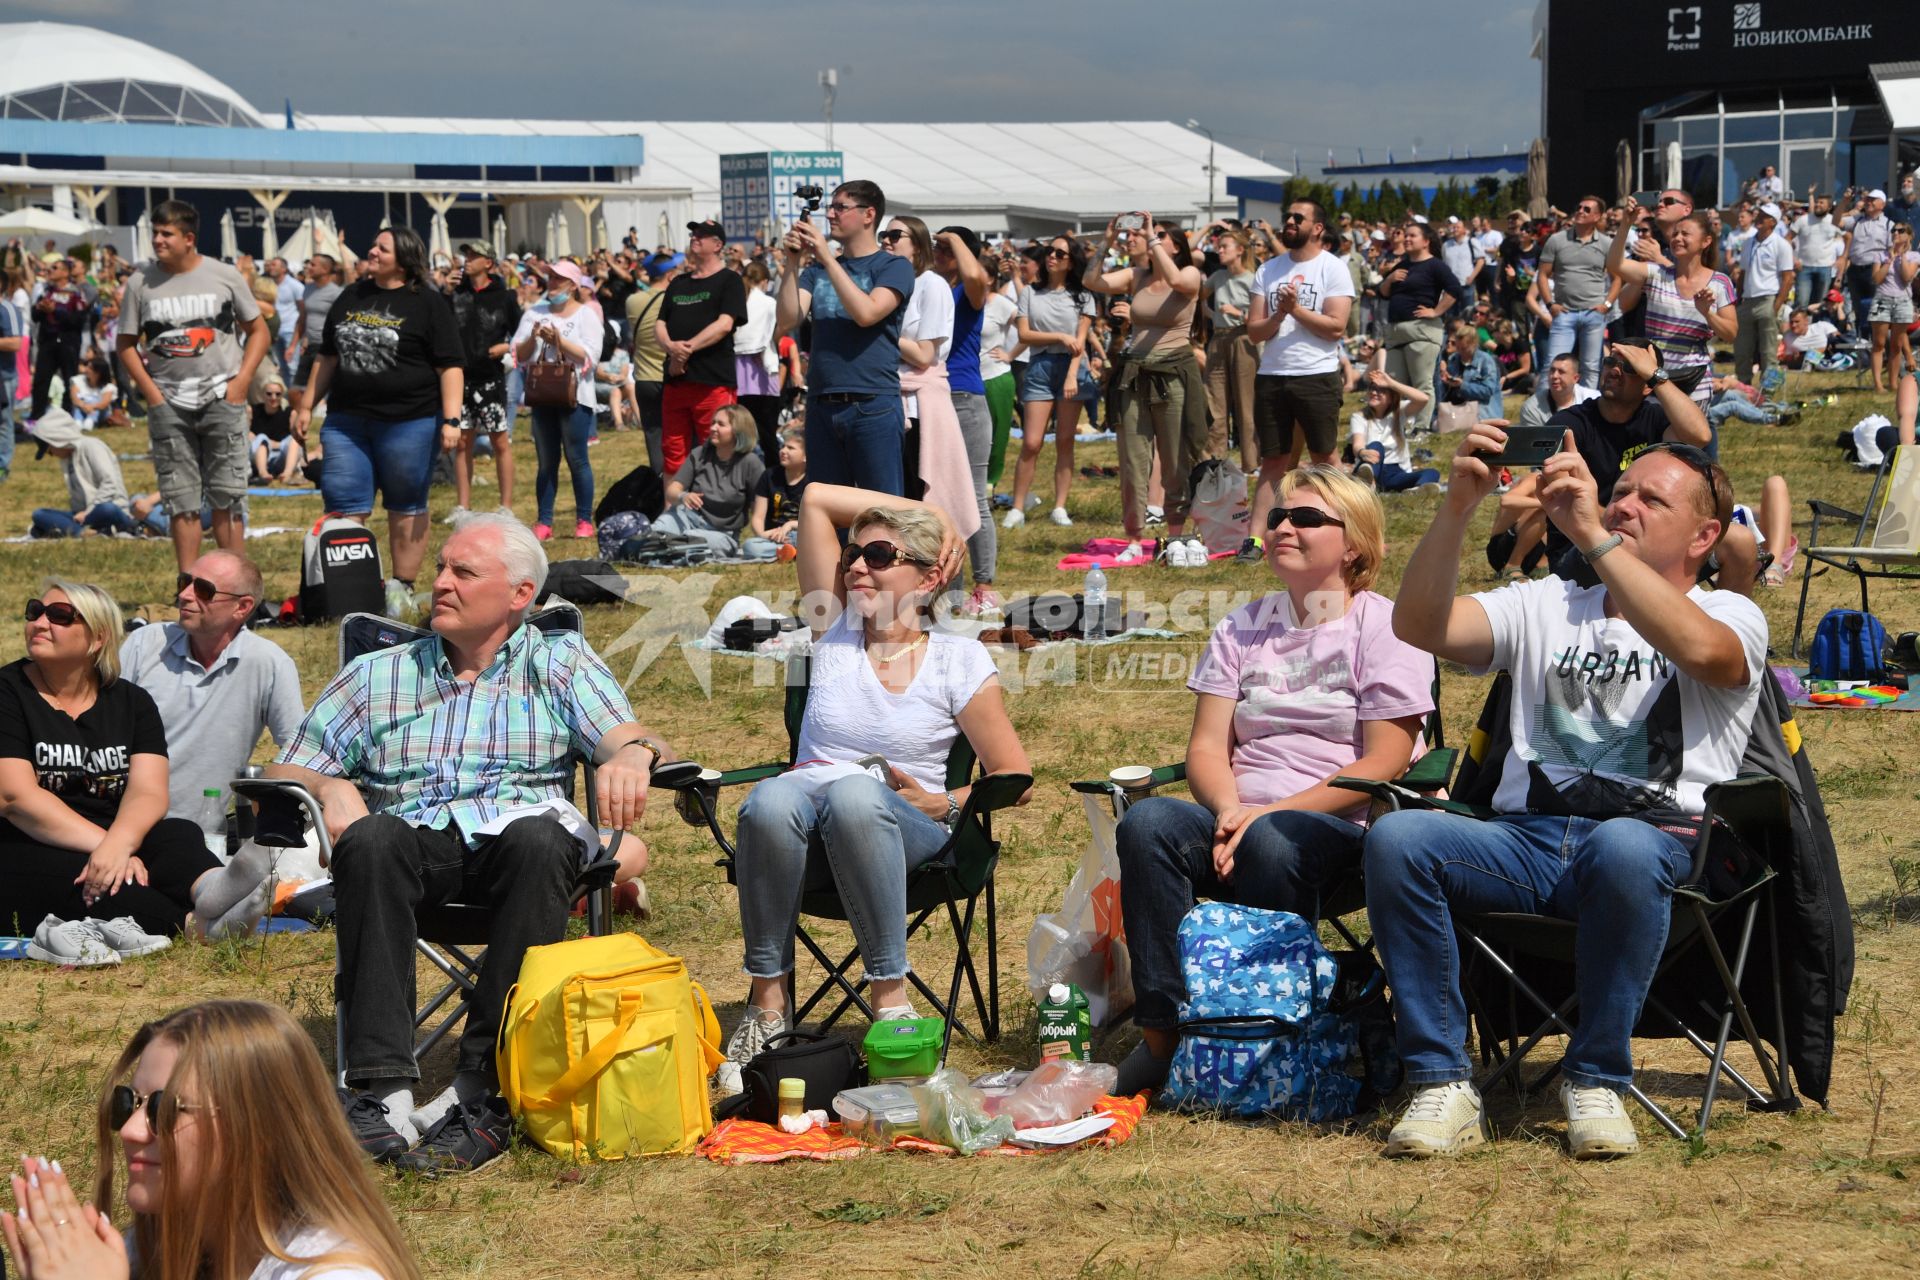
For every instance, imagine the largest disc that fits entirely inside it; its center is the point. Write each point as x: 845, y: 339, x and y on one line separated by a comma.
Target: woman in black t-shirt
x: 1420, y: 290
x: 391, y: 370
x: 84, y: 829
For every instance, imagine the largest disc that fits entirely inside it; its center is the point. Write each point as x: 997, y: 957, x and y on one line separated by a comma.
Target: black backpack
x: 639, y: 490
x: 340, y: 571
x: 584, y: 581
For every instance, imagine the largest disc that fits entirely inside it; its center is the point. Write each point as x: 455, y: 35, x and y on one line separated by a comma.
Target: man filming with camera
x: 855, y: 421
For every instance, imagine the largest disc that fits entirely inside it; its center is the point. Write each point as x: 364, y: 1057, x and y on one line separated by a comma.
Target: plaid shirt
x: 434, y: 751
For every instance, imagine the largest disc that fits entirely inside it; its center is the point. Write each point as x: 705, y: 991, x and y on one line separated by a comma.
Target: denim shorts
x: 1891, y: 309
x: 1046, y: 376
x: 363, y: 454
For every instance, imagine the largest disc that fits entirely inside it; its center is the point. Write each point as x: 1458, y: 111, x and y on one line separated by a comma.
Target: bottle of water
x: 213, y: 821
x: 1093, y: 604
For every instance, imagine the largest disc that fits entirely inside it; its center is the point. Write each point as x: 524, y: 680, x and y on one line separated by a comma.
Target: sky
x: 1266, y: 78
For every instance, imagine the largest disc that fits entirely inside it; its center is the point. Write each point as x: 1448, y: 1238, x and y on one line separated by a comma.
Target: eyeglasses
x: 1667, y: 200
x: 878, y: 555
x: 889, y: 237
x: 123, y: 1102
x: 59, y: 613
x: 844, y: 208
x: 203, y: 590
x: 1302, y: 518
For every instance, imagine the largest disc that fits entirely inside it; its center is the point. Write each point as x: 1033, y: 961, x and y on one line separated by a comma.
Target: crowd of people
x: 896, y: 358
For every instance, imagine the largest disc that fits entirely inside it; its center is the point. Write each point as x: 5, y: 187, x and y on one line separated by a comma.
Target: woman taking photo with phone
x: 884, y: 683
x: 238, y: 1164
x: 562, y: 329
x: 1054, y: 317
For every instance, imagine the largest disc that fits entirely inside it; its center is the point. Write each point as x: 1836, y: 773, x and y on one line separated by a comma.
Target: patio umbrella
x: 601, y: 238
x: 499, y: 238
x: 553, y: 239
x: 45, y: 222
x: 229, y: 241
x: 562, y: 237
x: 1622, y: 169
x: 1673, y: 165
x: 143, y: 237
x: 439, y: 243
x: 666, y: 230
x: 1537, y: 178
x: 269, y: 238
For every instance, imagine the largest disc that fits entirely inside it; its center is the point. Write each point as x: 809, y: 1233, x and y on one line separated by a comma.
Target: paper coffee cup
x: 1131, y: 777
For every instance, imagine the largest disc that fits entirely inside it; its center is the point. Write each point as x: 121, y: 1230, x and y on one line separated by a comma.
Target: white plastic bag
x: 1217, y: 504
x: 1086, y: 942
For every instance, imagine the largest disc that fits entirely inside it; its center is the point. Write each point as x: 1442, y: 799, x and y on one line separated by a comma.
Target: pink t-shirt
x: 1303, y: 694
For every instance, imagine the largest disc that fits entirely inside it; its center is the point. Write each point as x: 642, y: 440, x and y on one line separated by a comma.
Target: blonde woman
x: 1293, y: 690
x: 885, y: 683
x: 237, y: 1165
x: 1232, y: 357
x: 84, y: 831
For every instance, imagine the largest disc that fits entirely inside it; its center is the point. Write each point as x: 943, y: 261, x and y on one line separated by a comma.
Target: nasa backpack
x: 340, y: 570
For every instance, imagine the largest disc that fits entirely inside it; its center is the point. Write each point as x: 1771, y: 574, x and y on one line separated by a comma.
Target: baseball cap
x: 1876, y: 194
x: 708, y: 228
x: 1378, y: 234
x: 1420, y: 219
x: 477, y: 249
x: 1451, y: 218
x: 1771, y: 209
x: 567, y: 271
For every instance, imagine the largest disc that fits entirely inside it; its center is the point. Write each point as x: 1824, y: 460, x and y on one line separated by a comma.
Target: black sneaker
x: 1250, y: 552
x: 468, y: 1136
x: 367, y: 1118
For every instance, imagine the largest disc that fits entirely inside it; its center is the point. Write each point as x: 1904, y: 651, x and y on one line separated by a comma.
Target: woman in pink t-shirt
x: 1295, y: 689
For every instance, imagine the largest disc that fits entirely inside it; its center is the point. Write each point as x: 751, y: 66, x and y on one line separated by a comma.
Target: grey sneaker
x: 1441, y: 1120
x: 70, y: 944
x: 124, y: 935
x: 749, y: 1038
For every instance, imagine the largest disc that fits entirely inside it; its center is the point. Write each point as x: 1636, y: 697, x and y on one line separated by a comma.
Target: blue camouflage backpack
x: 1274, y: 1023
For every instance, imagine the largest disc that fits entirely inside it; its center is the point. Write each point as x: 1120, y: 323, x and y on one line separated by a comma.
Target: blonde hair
x: 1358, y: 506
x: 916, y: 531
x: 746, y: 432
x: 278, y: 1156
x: 101, y: 613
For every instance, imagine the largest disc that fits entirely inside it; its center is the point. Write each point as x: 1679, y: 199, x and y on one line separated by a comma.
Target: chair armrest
x: 1431, y: 772
x: 1164, y: 775
x: 684, y: 775
x: 1396, y: 795
x: 1828, y: 511
x: 279, y: 804
x: 996, y: 791
x: 1753, y: 806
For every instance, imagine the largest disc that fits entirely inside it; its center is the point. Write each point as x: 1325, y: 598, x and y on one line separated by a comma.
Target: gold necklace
x: 898, y: 654
x: 58, y: 702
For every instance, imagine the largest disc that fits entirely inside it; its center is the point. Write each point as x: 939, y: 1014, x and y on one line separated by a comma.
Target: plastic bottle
x: 213, y: 821
x: 1066, y: 1025
x: 1093, y: 604
x: 793, y: 1096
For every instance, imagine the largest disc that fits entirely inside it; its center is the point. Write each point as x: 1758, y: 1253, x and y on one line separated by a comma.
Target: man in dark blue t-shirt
x: 854, y: 417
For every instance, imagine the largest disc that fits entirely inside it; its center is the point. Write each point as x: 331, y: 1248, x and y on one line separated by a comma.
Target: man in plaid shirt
x: 447, y: 735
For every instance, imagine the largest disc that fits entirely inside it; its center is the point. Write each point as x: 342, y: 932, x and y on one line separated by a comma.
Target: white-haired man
x: 450, y: 734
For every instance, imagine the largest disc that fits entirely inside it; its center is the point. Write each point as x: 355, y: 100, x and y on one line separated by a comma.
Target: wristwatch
x: 449, y: 422
x: 1657, y: 379
x: 953, y: 811
x: 651, y: 745
x: 1595, y: 552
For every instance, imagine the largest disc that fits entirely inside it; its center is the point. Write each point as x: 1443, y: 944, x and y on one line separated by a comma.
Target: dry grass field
x: 1822, y: 1193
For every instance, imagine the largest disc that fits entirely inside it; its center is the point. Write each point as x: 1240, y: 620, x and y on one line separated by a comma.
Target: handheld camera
x: 810, y: 197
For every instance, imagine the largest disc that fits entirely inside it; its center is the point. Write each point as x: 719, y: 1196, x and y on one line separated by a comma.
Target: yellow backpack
x: 605, y: 1049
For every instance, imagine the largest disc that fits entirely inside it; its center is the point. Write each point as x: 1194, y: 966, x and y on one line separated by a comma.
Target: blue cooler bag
x: 1276, y: 1025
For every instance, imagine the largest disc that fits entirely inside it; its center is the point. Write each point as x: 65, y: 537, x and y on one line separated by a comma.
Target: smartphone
x: 1527, y: 446
x: 1129, y: 222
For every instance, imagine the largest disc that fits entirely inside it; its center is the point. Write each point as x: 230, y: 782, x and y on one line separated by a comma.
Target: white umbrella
x: 666, y: 231
x: 1673, y: 165
x: 562, y: 237
x: 269, y: 238
x: 499, y: 238
x: 143, y: 237
x: 439, y: 243
x: 229, y: 240
x: 604, y: 241
x: 45, y: 222
x: 553, y: 239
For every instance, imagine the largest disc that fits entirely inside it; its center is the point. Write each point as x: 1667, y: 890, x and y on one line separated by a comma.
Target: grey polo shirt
x: 213, y: 718
x: 1579, y: 268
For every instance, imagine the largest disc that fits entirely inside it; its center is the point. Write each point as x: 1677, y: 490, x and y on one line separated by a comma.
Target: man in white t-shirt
x: 1299, y: 309
x: 1816, y: 246
x: 1628, y: 698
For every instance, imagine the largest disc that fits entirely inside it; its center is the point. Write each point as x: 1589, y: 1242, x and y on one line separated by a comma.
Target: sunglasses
x: 1295, y: 217
x: 1059, y: 253
x: 889, y: 237
x: 123, y: 1102
x: 1667, y: 200
x: 203, y: 591
x: 878, y: 555
x: 1696, y: 458
x: 1302, y: 518
x: 59, y: 613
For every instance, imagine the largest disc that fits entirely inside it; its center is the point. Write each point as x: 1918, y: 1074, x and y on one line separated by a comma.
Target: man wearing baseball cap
x: 1869, y: 236
x: 488, y: 313
x: 702, y: 307
x: 1765, y: 277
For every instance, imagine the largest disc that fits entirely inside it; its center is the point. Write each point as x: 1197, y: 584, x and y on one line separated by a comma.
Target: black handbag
x: 828, y: 1064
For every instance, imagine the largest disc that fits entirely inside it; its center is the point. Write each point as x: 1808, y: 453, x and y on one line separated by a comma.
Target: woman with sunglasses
x: 563, y: 327
x: 886, y: 684
x: 1295, y: 689
x: 1054, y: 317
x: 84, y: 831
x: 1690, y: 305
x: 238, y: 1165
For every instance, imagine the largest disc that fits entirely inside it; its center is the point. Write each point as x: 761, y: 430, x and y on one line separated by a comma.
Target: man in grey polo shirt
x: 216, y: 683
x: 1575, y: 286
x: 1765, y: 277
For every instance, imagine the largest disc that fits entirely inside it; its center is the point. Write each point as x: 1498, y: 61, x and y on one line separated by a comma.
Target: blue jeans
x: 363, y: 454
x: 1581, y: 327
x: 1811, y: 286
x: 686, y: 522
x: 857, y: 442
x: 1734, y: 404
x: 557, y: 430
x: 1391, y: 477
x: 1283, y: 863
x: 862, y: 839
x: 1615, y: 877
x: 105, y: 517
x: 6, y: 415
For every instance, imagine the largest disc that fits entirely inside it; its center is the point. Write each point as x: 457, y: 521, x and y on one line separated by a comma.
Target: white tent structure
x: 45, y: 222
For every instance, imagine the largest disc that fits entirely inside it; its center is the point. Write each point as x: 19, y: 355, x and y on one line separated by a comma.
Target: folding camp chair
x: 1704, y: 985
x: 1892, y: 514
x: 452, y: 936
x: 959, y: 878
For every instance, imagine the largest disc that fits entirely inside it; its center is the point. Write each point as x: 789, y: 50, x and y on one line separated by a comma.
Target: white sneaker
x: 1441, y: 1120
x: 1198, y: 557
x: 1156, y: 516
x: 1132, y: 551
x: 1598, y: 1126
x: 1013, y: 520
x: 1060, y: 517
x: 126, y: 937
x: 71, y: 944
x: 456, y: 515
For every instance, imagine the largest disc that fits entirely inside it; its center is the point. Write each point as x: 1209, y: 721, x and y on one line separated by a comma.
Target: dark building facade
x: 1805, y: 88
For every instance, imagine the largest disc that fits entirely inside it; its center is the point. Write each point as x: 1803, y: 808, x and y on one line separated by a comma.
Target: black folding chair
x: 959, y: 879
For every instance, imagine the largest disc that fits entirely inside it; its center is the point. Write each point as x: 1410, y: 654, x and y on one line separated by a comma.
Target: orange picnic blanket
x: 751, y: 1142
